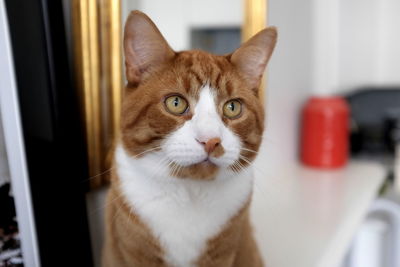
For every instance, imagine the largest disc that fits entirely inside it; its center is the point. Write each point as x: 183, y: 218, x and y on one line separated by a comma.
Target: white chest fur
x: 182, y: 213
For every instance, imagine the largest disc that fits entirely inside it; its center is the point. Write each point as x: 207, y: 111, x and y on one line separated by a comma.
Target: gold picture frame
x: 97, y: 37
x: 98, y: 65
x: 255, y: 19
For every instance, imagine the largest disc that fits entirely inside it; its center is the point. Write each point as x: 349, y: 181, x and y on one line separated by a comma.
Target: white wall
x: 325, y: 47
x: 389, y: 42
x: 289, y: 80
x: 175, y: 18
x: 356, y: 44
x: 171, y: 18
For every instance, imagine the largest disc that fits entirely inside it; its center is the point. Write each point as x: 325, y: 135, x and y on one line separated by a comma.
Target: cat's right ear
x: 144, y: 47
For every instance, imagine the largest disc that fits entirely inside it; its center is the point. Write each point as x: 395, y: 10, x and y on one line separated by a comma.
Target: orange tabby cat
x: 192, y: 123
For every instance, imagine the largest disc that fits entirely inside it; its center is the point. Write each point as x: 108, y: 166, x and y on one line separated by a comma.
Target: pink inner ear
x: 252, y: 57
x: 144, y: 47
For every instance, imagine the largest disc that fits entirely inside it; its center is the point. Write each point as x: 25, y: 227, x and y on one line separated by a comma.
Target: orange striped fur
x: 155, y: 71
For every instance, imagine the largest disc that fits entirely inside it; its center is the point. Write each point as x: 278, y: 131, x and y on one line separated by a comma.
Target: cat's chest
x: 182, y: 214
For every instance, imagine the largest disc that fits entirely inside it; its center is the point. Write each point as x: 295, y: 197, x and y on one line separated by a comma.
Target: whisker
x: 236, y: 167
x: 174, y: 172
x: 242, y: 167
x: 119, y: 208
x: 262, y: 189
x: 105, y: 204
x: 113, y: 167
x: 250, y: 150
x: 161, y: 164
x: 148, y: 150
x: 179, y: 169
x: 159, y: 168
x: 97, y: 175
x: 247, y: 160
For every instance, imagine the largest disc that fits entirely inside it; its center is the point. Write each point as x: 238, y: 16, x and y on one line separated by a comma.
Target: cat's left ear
x: 252, y: 57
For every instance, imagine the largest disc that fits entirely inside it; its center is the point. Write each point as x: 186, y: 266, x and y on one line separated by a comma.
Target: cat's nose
x: 211, y: 144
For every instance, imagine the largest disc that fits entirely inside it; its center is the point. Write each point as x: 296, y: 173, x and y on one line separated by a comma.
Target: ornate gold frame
x: 98, y: 62
x: 97, y: 45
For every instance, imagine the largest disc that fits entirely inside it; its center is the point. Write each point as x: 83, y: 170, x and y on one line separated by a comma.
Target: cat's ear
x: 144, y: 47
x: 252, y: 57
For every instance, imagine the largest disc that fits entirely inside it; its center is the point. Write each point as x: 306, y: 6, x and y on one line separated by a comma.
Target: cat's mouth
x: 207, y: 160
x: 205, y: 170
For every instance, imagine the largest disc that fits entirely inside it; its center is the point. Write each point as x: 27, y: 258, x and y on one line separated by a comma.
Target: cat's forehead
x: 197, y: 68
x: 193, y: 57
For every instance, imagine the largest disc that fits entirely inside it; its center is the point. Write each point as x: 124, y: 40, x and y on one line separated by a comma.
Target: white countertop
x: 307, y: 218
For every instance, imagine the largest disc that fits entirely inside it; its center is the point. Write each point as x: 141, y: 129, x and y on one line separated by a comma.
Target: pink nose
x: 211, y: 144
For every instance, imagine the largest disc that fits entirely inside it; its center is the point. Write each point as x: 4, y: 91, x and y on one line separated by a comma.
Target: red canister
x: 325, y: 132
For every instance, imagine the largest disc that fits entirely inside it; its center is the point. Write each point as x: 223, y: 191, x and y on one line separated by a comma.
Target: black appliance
x: 375, y: 118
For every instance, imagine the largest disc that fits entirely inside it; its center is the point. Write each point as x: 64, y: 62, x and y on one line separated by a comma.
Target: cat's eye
x: 176, y: 104
x: 232, y: 109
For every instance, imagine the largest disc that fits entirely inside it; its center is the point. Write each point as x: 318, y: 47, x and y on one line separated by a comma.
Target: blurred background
x: 327, y: 188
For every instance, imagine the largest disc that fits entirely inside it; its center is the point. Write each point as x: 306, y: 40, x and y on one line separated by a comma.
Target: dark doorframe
x: 53, y: 132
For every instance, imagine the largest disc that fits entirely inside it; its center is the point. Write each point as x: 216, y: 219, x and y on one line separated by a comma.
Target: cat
x: 191, y: 125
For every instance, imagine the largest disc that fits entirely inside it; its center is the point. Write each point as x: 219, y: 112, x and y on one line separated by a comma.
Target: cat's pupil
x: 232, y: 106
x: 176, y: 101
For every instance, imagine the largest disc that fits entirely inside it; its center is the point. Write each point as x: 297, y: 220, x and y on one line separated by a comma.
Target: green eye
x: 232, y: 109
x: 176, y: 105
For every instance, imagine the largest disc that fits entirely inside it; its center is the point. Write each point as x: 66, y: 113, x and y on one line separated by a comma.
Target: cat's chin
x: 204, y: 170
